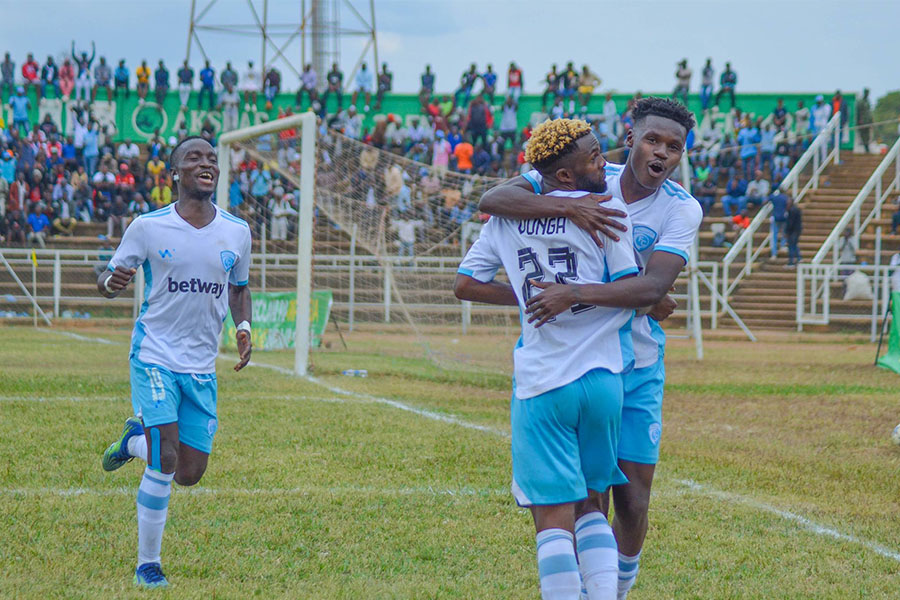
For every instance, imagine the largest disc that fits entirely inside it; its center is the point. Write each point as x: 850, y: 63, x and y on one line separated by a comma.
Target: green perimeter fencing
x: 130, y: 119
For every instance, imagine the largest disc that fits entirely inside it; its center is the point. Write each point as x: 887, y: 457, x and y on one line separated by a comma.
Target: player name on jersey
x: 545, y: 226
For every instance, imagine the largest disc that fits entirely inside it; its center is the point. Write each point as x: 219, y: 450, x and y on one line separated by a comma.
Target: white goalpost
x: 306, y: 122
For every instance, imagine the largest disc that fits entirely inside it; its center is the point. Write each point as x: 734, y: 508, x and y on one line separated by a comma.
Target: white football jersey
x: 186, y: 274
x: 578, y: 340
x: 665, y: 221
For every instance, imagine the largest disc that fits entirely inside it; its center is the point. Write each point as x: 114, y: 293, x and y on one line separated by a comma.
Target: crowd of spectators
x: 50, y: 181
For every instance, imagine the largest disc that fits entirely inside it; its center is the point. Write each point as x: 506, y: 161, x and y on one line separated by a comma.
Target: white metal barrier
x: 816, y: 158
x: 819, y: 303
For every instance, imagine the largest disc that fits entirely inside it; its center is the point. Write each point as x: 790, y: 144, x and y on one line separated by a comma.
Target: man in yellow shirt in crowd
x: 143, y: 80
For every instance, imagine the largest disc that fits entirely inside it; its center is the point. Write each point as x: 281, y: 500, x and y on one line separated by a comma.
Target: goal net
x: 386, y: 236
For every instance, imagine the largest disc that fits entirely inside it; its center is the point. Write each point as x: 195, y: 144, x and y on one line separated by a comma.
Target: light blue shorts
x: 642, y: 414
x: 564, y: 441
x: 161, y: 397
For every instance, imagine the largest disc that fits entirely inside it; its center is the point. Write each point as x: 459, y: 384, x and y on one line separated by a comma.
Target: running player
x: 196, y: 262
x: 665, y: 219
x: 567, y: 391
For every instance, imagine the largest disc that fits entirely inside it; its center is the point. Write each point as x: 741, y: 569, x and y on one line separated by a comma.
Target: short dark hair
x: 665, y: 108
x: 172, y: 155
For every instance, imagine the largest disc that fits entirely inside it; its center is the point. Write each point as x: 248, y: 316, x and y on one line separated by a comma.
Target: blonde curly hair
x: 552, y: 140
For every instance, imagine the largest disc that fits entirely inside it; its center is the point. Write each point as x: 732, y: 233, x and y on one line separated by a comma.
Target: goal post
x: 306, y: 122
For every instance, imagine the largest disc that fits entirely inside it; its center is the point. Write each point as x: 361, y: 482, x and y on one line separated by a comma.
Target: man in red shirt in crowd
x: 124, y: 181
x: 31, y: 73
x: 514, y: 81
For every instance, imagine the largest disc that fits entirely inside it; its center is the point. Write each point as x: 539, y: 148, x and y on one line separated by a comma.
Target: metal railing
x: 823, y: 272
x: 815, y: 305
x: 817, y: 157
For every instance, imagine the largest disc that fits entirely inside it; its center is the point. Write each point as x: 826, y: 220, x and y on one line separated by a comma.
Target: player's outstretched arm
x: 110, y: 283
x: 634, y: 292
x: 515, y: 199
x: 239, y: 302
x: 492, y: 292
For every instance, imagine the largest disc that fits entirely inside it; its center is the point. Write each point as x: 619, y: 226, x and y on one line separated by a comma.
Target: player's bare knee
x: 168, y: 458
x: 188, y: 477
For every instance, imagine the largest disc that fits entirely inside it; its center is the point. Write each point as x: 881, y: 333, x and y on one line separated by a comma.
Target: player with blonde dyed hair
x: 567, y: 394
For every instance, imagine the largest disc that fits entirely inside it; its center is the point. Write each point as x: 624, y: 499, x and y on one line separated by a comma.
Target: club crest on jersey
x: 228, y: 259
x: 643, y: 237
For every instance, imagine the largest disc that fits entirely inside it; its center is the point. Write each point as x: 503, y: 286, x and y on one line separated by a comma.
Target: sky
x: 774, y: 46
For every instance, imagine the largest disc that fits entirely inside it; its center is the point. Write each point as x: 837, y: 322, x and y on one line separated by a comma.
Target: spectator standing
x: 229, y: 100
x: 683, y: 81
x: 863, y: 119
x: 185, y: 84
x: 895, y: 218
x: 570, y: 85
x: 162, y: 83
x: 793, y: 227
x: 427, y: 85
x: 821, y: 114
x: 385, y: 85
x: 477, y: 121
x: 7, y: 76
x: 748, y: 138
x: 92, y: 149
x: 802, y: 118
x: 251, y: 84
x: 838, y: 104
x: 118, y: 215
x: 778, y: 221
x: 463, y: 153
x: 207, y: 87
x: 779, y: 115
x: 66, y: 79
x: 334, y: 85
x: 514, y: 82
x: 20, y: 105
x: 466, y: 83
x: 767, y: 137
x: 552, y: 81
x: 440, y: 153
x: 103, y: 79
x: 229, y: 75
x: 271, y: 86
x: 587, y: 81
x: 363, y: 83
x: 727, y: 83
x: 121, y: 77
x: 308, y: 81
x: 509, y: 122
x: 142, y: 73
x: 83, y: 73
x: 50, y: 77
x: 706, y: 84
x: 281, y: 210
x: 489, y: 80
x: 31, y: 74
x: 847, y: 249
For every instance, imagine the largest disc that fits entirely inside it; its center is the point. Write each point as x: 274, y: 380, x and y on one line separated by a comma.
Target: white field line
x: 691, y: 485
x: 126, y: 398
x: 265, y: 492
x: 802, y: 521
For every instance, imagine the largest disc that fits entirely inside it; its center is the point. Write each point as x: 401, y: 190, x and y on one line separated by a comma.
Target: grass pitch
x: 777, y: 478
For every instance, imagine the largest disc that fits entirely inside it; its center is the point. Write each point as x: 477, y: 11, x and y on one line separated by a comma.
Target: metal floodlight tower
x: 319, y: 31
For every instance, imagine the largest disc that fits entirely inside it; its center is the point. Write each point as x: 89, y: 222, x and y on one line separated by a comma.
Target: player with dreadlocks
x: 191, y: 253
x: 665, y: 219
x: 567, y: 392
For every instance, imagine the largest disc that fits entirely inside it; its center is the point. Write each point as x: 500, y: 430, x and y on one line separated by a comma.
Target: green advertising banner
x: 275, y: 318
x: 128, y: 118
x: 891, y: 360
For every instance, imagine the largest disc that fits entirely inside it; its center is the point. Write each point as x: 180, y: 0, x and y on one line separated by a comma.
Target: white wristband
x: 244, y: 326
x: 106, y: 285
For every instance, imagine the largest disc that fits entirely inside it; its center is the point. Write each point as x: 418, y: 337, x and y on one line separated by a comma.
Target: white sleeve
x: 620, y: 260
x: 240, y: 272
x: 680, y: 229
x: 132, y: 250
x: 482, y: 260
